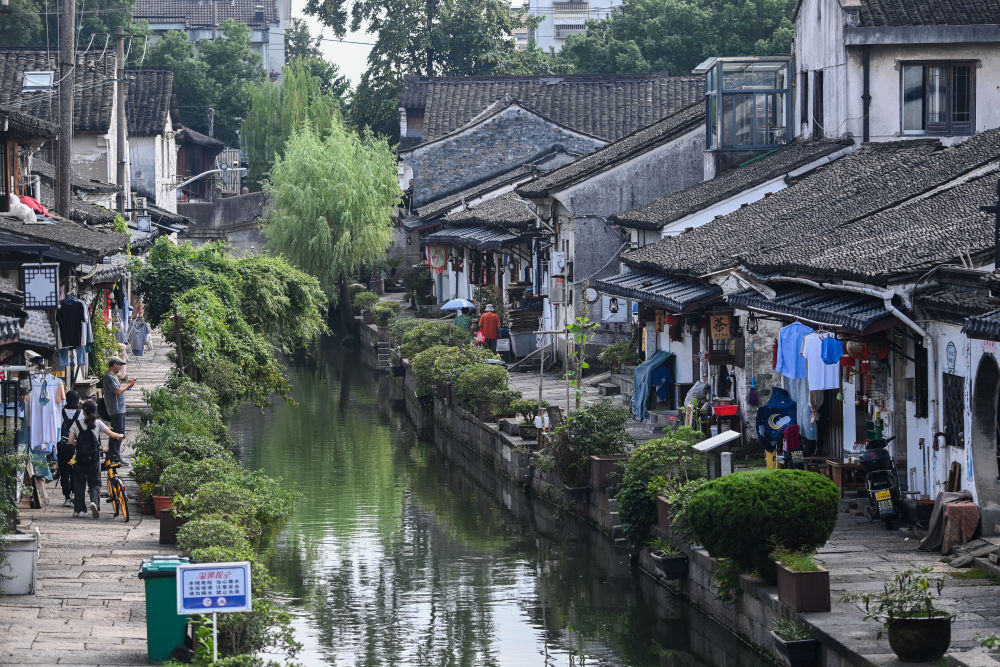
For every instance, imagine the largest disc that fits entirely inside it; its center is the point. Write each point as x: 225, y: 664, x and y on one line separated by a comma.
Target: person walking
x: 72, y: 413
x: 114, y: 402
x: 87, y: 468
x: 489, y: 324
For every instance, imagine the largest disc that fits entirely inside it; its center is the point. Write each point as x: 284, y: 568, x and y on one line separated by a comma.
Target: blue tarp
x: 641, y: 382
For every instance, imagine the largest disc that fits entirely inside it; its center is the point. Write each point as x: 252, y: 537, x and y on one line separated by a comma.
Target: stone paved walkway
x: 862, y: 556
x: 89, y: 605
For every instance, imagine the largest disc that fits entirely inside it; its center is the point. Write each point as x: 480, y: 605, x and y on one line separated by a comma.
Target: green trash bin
x: 166, y: 630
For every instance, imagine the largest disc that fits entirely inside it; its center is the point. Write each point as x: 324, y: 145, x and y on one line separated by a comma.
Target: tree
x: 429, y: 37
x: 334, y: 199
x: 303, y: 49
x: 673, y: 36
x: 277, y: 109
x: 36, y: 23
x: 211, y: 73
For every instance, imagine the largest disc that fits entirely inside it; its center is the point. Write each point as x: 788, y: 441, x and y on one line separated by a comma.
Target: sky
x: 350, y: 58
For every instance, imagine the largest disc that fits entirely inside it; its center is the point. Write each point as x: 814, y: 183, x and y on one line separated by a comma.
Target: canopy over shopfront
x: 663, y: 291
x: 841, y: 311
x: 479, y: 238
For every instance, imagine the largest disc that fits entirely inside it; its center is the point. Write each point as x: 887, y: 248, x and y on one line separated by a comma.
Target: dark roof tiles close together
x: 147, y: 100
x: 506, y: 211
x: 884, y: 13
x: 199, y: 13
x: 95, y: 79
x: 761, y: 169
x: 608, y: 107
x: 863, y: 216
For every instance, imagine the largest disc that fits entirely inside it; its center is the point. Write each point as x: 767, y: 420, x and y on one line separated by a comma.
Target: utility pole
x: 67, y: 60
x: 211, y: 122
x: 215, y: 19
x: 120, y: 112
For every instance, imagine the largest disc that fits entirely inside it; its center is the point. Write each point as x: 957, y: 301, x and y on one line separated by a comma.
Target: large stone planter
x: 577, y: 495
x: 605, y: 471
x: 795, y: 653
x: 368, y: 317
x: 920, y: 639
x: 671, y: 567
x: 528, y: 431
x: 804, y: 591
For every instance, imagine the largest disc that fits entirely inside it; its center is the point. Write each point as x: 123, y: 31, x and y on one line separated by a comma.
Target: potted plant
x: 802, y: 584
x: 146, y: 505
x: 669, y: 560
x: 793, y: 641
x: 365, y: 303
x: 526, y: 409
x: 161, y: 501
x: 384, y: 313
x: 616, y: 354
x: 918, y: 631
x: 19, y: 552
x: 605, y: 470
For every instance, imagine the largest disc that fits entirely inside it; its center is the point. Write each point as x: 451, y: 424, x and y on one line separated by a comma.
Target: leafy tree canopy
x: 36, y: 23
x: 302, y: 49
x: 429, y: 37
x: 333, y: 201
x: 211, y: 73
x: 675, y: 35
x: 277, y: 109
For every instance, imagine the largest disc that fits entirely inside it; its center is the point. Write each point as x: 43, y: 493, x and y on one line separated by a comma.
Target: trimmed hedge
x: 429, y: 334
x: 743, y: 516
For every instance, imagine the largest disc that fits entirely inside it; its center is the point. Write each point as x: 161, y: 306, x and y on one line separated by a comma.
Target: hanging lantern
x: 857, y: 349
x: 752, y: 324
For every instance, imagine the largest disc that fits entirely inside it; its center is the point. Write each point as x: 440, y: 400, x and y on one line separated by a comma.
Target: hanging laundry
x: 790, y: 361
x: 774, y: 417
x: 138, y: 335
x: 70, y: 318
x: 819, y: 374
x: 47, y: 398
x: 798, y: 389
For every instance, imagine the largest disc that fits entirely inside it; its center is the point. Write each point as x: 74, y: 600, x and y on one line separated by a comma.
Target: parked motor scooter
x: 881, y: 482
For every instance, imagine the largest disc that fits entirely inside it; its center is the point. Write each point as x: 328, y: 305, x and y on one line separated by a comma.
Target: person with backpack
x: 72, y: 413
x: 87, y: 468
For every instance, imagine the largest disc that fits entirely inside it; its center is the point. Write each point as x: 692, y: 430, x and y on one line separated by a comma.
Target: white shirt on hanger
x: 819, y: 375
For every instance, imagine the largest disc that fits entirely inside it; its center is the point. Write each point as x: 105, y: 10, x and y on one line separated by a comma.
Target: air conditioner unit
x: 557, y: 292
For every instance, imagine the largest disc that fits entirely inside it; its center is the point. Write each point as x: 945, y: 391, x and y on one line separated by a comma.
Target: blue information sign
x: 207, y: 588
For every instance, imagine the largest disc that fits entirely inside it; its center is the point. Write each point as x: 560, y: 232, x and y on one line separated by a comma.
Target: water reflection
x: 401, y: 555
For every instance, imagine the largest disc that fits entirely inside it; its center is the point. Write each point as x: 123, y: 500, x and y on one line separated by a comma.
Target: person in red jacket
x: 489, y: 324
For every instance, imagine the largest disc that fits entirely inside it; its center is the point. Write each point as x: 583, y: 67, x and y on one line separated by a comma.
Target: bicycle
x: 116, y: 490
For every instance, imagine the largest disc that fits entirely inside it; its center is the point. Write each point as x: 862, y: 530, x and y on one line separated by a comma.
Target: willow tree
x: 334, y: 198
x: 276, y: 109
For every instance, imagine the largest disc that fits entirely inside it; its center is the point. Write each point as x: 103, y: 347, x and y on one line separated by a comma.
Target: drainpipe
x: 866, y: 97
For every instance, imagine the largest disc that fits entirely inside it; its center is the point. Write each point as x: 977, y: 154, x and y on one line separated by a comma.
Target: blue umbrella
x: 456, y: 304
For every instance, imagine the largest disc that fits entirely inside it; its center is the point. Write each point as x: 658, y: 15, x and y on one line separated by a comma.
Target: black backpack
x: 67, y: 425
x: 87, y: 446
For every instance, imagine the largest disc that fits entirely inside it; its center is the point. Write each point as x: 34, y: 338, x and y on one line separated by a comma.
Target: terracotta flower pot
x: 804, y: 591
x: 161, y: 503
x: 147, y: 507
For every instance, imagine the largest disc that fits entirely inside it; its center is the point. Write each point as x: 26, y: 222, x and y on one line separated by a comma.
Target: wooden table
x: 816, y: 464
x: 846, y: 474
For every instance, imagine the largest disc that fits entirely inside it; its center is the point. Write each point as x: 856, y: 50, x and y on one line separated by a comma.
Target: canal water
x: 405, y: 552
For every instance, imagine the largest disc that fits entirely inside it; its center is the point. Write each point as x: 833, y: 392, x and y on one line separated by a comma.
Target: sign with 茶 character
x: 720, y: 327
x: 205, y: 588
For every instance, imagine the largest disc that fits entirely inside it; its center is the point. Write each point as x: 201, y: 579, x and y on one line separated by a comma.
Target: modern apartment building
x: 562, y: 18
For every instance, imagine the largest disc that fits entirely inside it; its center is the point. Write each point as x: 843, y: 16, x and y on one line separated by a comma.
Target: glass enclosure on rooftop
x: 747, y: 102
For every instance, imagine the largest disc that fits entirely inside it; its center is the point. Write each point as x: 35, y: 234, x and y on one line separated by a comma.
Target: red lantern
x: 857, y: 349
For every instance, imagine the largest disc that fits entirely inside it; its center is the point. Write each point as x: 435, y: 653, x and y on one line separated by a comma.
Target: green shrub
x: 187, y: 406
x: 423, y: 367
x: 597, y: 429
x: 614, y: 355
x: 527, y: 408
x: 418, y: 282
x: 799, y: 561
x: 680, y: 500
x: 655, y: 467
x: 440, y: 364
x: 251, y: 499
x: 210, y: 532
x: 399, y: 327
x: 503, y: 402
x: 163, y: 446
x: 744, y: 515
x: 480, y: 381
x: 386, y: 312
x: 365, y: 301
x: 185, y: 477
x: 429, y: 334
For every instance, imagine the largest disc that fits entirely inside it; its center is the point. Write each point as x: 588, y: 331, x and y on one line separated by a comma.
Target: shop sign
x: 720, y: 327
x: 503, y: 344
x: 437, y: 258
x: 41, y: 286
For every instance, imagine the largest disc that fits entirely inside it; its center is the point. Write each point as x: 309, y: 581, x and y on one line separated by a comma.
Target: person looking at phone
x: 114, y: 403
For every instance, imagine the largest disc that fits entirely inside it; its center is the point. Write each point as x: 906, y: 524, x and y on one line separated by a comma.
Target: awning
x: 845, y: 311
x: 986, y: 326
x: 480, y: 238
x: 674, y: 294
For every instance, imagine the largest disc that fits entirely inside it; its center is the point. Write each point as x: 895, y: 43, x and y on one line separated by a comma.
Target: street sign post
x: 213, y: 588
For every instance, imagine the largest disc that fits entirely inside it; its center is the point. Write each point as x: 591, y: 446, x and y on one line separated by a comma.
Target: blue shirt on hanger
x: 791, y: 363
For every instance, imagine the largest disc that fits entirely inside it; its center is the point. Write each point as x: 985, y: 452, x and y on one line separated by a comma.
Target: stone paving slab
x: 863, y: 556
x: 89, y: 604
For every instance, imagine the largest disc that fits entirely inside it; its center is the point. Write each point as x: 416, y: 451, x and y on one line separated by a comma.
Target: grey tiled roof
x: 882, y: 13
x: 507, y: 211
x: 985, y: 326
x: 37, y: 331
x: 441, y: 206
x: 674, y: 294
x: 66, y: 234
x: 853, y: 219
x: 626, y: 148
x: 22, y: 125
x: 853, y: 313
x: 147, y: 100
x: 608, y: 107
x: 954, y: 294
x: 189, y: 136
x: 661, y: 212
x: 198, y: 13
x: 94, y: 85
x: 480, y: 238
x: 83, y: 183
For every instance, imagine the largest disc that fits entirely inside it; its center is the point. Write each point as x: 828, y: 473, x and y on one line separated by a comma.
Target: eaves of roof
x: 844, y: 311
x: 480, y: 238
x: 669, y: 292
